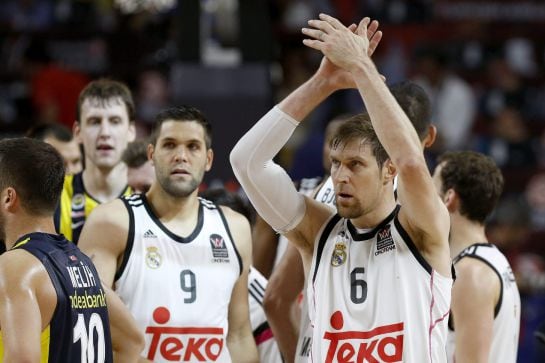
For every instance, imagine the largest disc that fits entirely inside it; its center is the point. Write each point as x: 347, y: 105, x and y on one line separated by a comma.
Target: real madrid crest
x: 339, y: 254
x: 153, y: 258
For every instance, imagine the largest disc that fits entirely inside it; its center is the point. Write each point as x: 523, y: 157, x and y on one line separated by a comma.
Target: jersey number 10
x: 86, y: 336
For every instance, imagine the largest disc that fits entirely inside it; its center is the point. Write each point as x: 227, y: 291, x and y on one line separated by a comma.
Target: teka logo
x: 381, y: 344
x: 183, y: 344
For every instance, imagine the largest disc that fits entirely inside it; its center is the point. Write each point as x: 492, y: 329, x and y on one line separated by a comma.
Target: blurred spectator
x: 152, y: 95
x: 510, y: 143
x: 54, y: 90
x: 505, y: 89
x: 27, y: 15
x: 140, y: 170
x: 453, y: 101
x: 535, y: 197
x: 62, y: 140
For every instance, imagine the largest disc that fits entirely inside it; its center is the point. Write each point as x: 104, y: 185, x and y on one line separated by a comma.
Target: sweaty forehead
x: 91, y: 104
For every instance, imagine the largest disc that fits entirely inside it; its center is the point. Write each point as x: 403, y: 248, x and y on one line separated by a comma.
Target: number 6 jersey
x: 373, y: 298
x: 178, y: 289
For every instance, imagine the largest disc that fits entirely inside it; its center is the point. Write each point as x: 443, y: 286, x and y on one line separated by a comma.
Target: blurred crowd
x: 482, y: 63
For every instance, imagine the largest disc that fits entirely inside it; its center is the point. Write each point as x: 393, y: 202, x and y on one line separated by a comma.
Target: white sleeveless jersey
x: 373, y: 297
x: 505, y: 332
x: 264, y: 339
x: 178, y: 289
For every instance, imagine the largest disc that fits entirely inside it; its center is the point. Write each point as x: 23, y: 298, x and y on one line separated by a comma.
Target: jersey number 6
x: 358, y: 286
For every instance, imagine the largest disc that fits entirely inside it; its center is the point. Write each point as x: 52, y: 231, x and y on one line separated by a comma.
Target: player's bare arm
x: 27, y: 303
x: 267, y: 187
x: 423, y: 215
x: 240, y: 340
x: 285, y: 284
x: 127, y: 339
x: 104, y: 238
x: 474, y: 317
x: 264, y: 248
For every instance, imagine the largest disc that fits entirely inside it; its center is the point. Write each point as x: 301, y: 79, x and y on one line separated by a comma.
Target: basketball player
x: 485, y: 310
x: 60, y: 137
x: 179, y: 262
x: 379, y: 279
x: 105, y: 125
x: 52, y: 303
x: 287, y: 279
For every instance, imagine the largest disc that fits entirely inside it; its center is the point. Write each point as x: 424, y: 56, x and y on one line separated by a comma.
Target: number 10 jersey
x: 178, y: 289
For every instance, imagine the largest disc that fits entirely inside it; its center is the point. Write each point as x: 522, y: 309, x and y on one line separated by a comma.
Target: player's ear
x: 9, y: 198
x: 209, y: 159
x: 432, y: 135
x: 76, y: 130
x: 451, y: 200
x: 150, y: 150
x: 389, y: 171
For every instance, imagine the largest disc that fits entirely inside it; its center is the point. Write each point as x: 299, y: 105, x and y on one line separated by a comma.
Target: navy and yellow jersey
x: 75, y: 206
x: 79, y: 330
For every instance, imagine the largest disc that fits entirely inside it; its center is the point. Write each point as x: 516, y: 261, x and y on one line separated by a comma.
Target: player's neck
x: 105, y: 184
x: 167, y: 207
x: 464, y: 233
x: 25, y: 224
x: 373, y: 218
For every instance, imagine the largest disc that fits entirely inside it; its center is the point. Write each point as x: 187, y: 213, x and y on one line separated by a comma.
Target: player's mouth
x: 343, y: 197
x: 104, y: 147
x: 179, y: 171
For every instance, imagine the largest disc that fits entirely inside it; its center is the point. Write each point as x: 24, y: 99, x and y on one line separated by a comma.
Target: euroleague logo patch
x: 219, y: 248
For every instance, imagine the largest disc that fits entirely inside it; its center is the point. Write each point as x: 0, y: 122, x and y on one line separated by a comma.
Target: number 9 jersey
x: 179, y: 288
x: 79, y: 330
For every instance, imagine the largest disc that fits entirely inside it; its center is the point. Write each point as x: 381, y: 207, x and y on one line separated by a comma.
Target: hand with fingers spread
x: 341, y: 46
x: 337, y: 77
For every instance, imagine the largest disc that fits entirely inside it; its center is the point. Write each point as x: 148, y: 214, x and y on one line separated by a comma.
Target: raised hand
x: 341, y: 45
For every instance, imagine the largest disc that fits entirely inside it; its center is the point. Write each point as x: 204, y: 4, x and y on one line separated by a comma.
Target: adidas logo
x: 149, y: 234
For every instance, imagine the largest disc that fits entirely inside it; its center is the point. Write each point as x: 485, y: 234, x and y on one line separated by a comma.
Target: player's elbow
x: 276, y: 304
x: 239, y: 160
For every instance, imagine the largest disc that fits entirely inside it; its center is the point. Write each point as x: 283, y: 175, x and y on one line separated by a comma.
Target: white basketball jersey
x: 178, y: 289
x: 264, y: 339
x: 374, y: 298
x: 505, y: 332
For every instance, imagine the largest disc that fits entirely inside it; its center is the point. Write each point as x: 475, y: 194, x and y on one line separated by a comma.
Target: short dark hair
x: 102, y: 90
x: 35, y: 170
x: 232, y: 200
x: 136, y: 154
x: 182, y: 114
x: 359, y: 127
x: 415, y: 103
x: 49, y: 129
x: 475, y: 178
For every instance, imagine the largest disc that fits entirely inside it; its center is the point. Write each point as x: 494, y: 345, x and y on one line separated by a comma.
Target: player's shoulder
x: 17, y: 267
x: 474, y: 274
x: 113, y: 213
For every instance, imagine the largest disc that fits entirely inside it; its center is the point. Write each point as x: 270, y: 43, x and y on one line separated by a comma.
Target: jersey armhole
x: 412, y: 247
x: 239, y: 258
x: 321, y: 243
x: 129, y: 244
x: 500, y: 299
